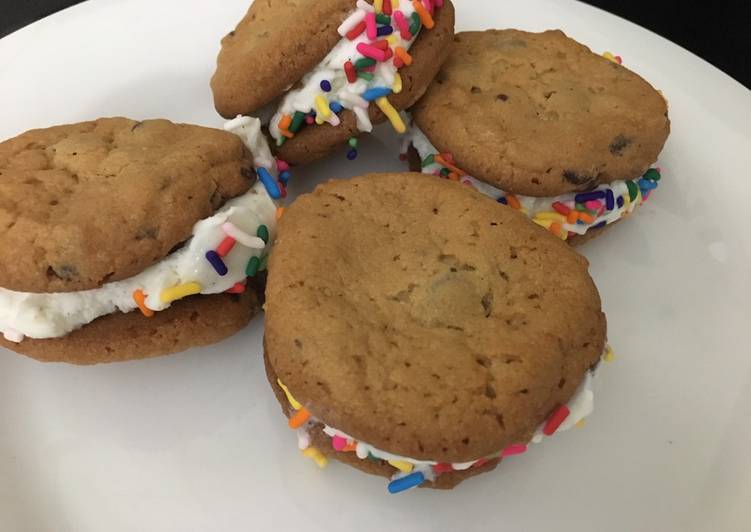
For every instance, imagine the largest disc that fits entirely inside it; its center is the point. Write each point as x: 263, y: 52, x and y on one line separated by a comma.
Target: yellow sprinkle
x: 580, y: 424
x: 394, y: 4
x: 396, y: 88
x: 322, y: 106
x: 609, y: 354
x: 317, y: 456
x: 550, y: 215
x: 169, y: 295
x: 391, y: 39
x: 378, y: 6
x: 292, y: 401
x: 404, y: 467
x: 609, y: 57
x: 544, y: 223
x: 392, y: 114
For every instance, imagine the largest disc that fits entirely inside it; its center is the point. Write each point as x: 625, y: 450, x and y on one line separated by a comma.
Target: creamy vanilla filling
x: 184, y: 272
x: 608, y: 204
x: 579, y: 406
x: 310, y: 97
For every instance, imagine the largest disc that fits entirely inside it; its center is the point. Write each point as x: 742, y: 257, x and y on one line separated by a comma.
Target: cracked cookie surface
x: 100, y: 201
x: 426, y: 319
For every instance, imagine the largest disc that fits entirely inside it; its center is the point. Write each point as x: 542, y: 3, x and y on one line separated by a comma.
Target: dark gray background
x: 718, y: 31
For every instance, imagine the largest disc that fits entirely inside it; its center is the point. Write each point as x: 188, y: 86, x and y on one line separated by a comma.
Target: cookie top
x: 426, y: 319
x: 540, y: 114
x: 271, y: 49
x: 89, y: 203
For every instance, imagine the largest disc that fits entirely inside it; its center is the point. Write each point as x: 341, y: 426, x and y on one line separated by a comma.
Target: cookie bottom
x: 322, y: 442
x: 192, y: 322
x: 415, y: 165
x: 429, y: 52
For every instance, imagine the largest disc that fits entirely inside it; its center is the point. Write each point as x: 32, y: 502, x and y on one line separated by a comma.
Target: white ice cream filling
x: 580, y: 406
x: 540, y: 209
x: 331, y: 69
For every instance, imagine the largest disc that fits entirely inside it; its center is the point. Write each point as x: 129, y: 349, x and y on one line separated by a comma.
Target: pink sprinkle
x: 370, y: 26
x: 338, y: 443
x: 428, y: 6
x: 438, y: 3
x: 403, y: 26
x: 309, y: 120
x: 372, y: 52
x: 593, y: 205
x: 516, y: 448
x: 282, y: 166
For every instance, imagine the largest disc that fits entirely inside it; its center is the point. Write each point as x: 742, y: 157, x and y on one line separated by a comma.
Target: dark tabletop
x: 719, y: 32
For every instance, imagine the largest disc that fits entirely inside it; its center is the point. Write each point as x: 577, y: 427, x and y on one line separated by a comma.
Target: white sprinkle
x: 252, y: 242
x: 351, y: 21
x: 13, y: 335
x: 363, y: 120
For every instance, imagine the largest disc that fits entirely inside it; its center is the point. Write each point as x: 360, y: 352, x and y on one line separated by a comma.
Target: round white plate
x: 198, y: 442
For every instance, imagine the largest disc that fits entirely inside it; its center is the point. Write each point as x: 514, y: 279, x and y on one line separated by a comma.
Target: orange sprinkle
x: 350, y: 447
x: 279, y: 212
x: 513, y: 202
x: 557, y: 229
x: 443, y: 162
x: 586, y: 218
x: 453, y: 176
x: 403, y: 54
x: 299, y: 419
x: 425, y: 17
x: 140, y: 298
x: 285, y: 122
x: 286, y: 133
x: 572, y: 216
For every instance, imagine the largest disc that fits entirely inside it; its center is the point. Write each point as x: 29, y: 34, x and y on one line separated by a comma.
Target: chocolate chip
x: 65, y: 272
x: 578, y: 179
x: 475, y: 90
x: 146, y: 233
x: 620, y: 143
x: 502, y: 97
x: 248, y: 173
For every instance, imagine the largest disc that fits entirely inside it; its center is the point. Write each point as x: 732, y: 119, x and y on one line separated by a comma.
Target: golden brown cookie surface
x: 192, y: 322
x: 96, y: 202
x: 425, y: 319
x: 539, y: 114
x: 271, y: 49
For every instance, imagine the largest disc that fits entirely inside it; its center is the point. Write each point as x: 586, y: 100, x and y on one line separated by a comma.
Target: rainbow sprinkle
x: 382, y: 34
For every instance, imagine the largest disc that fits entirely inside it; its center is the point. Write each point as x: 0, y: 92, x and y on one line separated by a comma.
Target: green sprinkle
x: 263, y: 233
x: 373, y: 458
x: 579, y: 207
x: 264, y: 263
x: 415, y: 26
x: 652, y: 175
x: 365, y: 75
x: 445, y: 172
x: 633, y: 190
x: 298, y: 119
x: 253, y: 265
x: 382, y: 18
x: 427, y: 161
x: 281, y: 140
x: 364, y: 62
x: 352, y: 142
